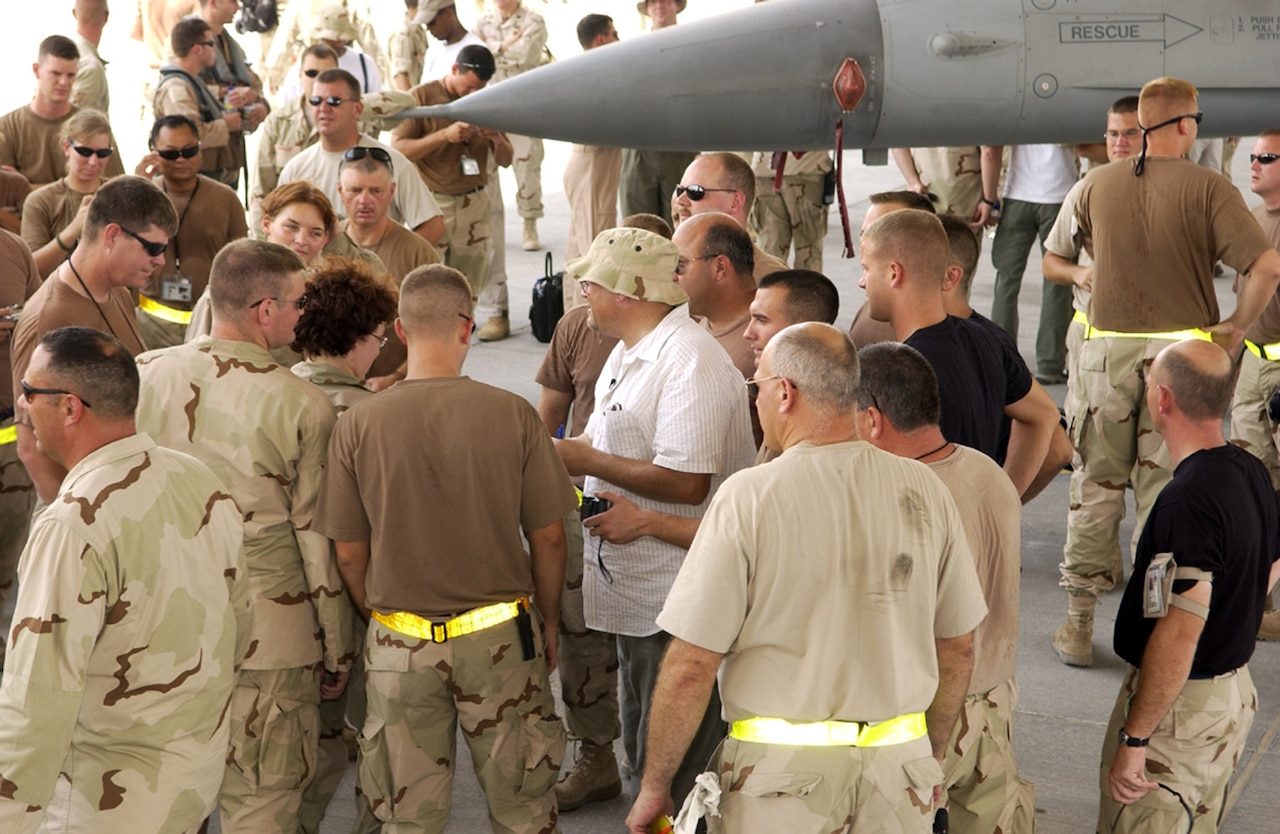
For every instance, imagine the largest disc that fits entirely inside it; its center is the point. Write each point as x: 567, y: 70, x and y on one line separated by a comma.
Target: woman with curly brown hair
x: 345, y: 324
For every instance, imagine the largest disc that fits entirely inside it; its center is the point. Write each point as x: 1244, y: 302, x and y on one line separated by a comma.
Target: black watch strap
x: 1129, y: 741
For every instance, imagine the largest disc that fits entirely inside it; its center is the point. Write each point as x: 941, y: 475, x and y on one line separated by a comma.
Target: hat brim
x: 643, y: 7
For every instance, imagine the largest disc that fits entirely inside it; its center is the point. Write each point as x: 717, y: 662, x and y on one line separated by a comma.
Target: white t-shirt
x: 413, y: 204
x: 1040, y: 173
x: 441, y: 56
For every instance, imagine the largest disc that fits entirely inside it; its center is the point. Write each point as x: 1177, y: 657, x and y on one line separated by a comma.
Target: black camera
x: 1273, y: 406
x: 592, y: 505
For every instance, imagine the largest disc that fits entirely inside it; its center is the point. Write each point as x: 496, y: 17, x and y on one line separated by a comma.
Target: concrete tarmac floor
x: 1062, y: 712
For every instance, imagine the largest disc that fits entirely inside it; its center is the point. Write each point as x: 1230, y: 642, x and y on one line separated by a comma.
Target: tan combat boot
x: 495, y: 329
x: 1073, y: 641
x: 530, y: 242
x: 1269, y: 631
x: 594, y: 777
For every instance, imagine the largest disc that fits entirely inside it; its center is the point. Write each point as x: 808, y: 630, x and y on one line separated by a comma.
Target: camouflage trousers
x: 825, y: 790
x: 527, y: 166
x: 588, y: 662
x: 1251, y: 428
x: 331, y: 750
x: 419, y: 693
x: 649, y: 180
x: 275, y: 720
x: 465, y: 245
x: 493, y: 299
x: 591, y: 178
x: 1114, y: 443
x: 791, y: 216
x: 17, y: 500
x: 984, y: 792
x: 1193, y: 751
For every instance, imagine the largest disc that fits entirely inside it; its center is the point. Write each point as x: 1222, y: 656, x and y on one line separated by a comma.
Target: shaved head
x: 431, y: 300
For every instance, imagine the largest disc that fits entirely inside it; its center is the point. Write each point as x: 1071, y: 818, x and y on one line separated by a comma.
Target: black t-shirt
x: 1219, y: 514
x: 1010, y: 348
x: 977, y: 378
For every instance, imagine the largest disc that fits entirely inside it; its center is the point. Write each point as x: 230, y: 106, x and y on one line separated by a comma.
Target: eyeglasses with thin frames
x: 682, y: 265
x: 29, y: 392
x: 753, y: 385
x: 300, y: 302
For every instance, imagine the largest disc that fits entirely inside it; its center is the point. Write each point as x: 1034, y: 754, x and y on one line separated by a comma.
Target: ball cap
x: 632, y: 262
x: 333, y: 24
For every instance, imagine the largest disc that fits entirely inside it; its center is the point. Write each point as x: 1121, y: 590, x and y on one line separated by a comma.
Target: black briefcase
x: 548, y: 303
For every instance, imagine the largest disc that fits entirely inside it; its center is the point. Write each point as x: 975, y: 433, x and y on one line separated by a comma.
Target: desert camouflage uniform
x: 1115, y: 443
x: 587, y: 660
x: 265, y: 433
x: 294, y: 33
x: 1193, y: 751
x: 407, y: 53
x: 796, y: 213
x: 1251, y: 427
x: 504, y: 708
x: 981, y: 748
x: 518, y: 45
x: 953, y: 175
x: 466, y: 236
x: 806, y: 790
x: 132, y: 615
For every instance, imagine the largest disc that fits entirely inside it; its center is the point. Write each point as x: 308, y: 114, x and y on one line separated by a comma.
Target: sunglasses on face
x: 332, y: 101
x: 154, y: 249
x: 173, y: 153
x: 30, y: 392
x: 1263, y: 158
x: 101, y: 153
x: 697, y: 192
x: 312, y: 73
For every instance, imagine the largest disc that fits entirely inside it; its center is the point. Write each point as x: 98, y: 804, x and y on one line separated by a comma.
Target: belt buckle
x: 439, y: 632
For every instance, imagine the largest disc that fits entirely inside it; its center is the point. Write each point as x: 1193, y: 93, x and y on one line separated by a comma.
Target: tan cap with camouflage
x: 631, y: 262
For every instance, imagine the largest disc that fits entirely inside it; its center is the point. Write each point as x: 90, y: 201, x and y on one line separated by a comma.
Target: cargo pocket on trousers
x: 779, y: 784
x: 374, y: 769
x: 287, y: 753
x: 923, y: 775
x: 1206, y: 726
x: 542, y: 741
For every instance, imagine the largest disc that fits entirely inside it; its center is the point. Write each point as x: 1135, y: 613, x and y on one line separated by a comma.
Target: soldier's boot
x: 594, y: 777
x: 1073, y: 641
x: 495, y: 329
x: 1269, y: 631
x: 530, y: 242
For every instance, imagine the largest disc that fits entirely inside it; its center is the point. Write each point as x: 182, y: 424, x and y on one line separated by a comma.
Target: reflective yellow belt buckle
x: 439, y: 632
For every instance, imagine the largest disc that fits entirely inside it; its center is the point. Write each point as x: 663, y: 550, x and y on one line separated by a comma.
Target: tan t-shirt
x: 401, y: 251
x: 766, y: 264
x: 56, y: 305
x: 991, y: 512
x: 49, y: 210
x: 19, y: 280
x: 1267, y: 329
x: 867, y: 331
x: 1154, y: 240
x: 442, y: 169
x: 736, y: 345
x: 30, y: 144
x: 440, y: 476
x: 572, y: 364
x: 825, y: 577
x: 211, y: 217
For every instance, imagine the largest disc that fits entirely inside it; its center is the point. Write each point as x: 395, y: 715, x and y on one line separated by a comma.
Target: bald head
x: 717, y: 234
x: 433, y: 299
x: 1200, y: 377
x: 914, y: 239
x: 820, y: 361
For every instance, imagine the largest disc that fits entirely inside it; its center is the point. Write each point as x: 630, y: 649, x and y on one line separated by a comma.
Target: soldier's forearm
x: 955, y: 666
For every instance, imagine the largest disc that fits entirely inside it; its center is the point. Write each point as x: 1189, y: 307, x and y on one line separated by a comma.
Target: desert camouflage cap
x: 334, y: 24
x: 631, y: 262
x: 428, y: 9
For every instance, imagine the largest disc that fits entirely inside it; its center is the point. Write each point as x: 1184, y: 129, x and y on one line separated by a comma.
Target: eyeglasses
x: 300, y: 302
x: 101, y: 153
x: 29, y: 392
x: 171, y: 154
x: 1113, y: 135
x: 332, y: 101
x: 1263, y: 158
x: 382, y: 340
x: 697, y: 192
x: 753, y: 385
x: 360, y: 152
x: 682, y: 265
x: 154, y: 249
x: 312, y: 73
x: 470, y: 319
x: 1142, y: 157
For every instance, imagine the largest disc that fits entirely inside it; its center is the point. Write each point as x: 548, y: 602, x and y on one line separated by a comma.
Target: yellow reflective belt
x: 1091, y: 332
x: 898, y: 730
x: 1080, y: 318
x: 474, y: 620
x: 1270, y: 352
x: 161, y: 311
x: 8, y: 434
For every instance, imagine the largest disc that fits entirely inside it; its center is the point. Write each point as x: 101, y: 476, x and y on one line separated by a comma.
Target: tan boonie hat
x: 643, y: 7
x: 631, y: 262
x: 333, y: 24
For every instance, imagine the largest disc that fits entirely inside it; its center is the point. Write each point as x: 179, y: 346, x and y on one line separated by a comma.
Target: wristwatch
x: 1129, y: 741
